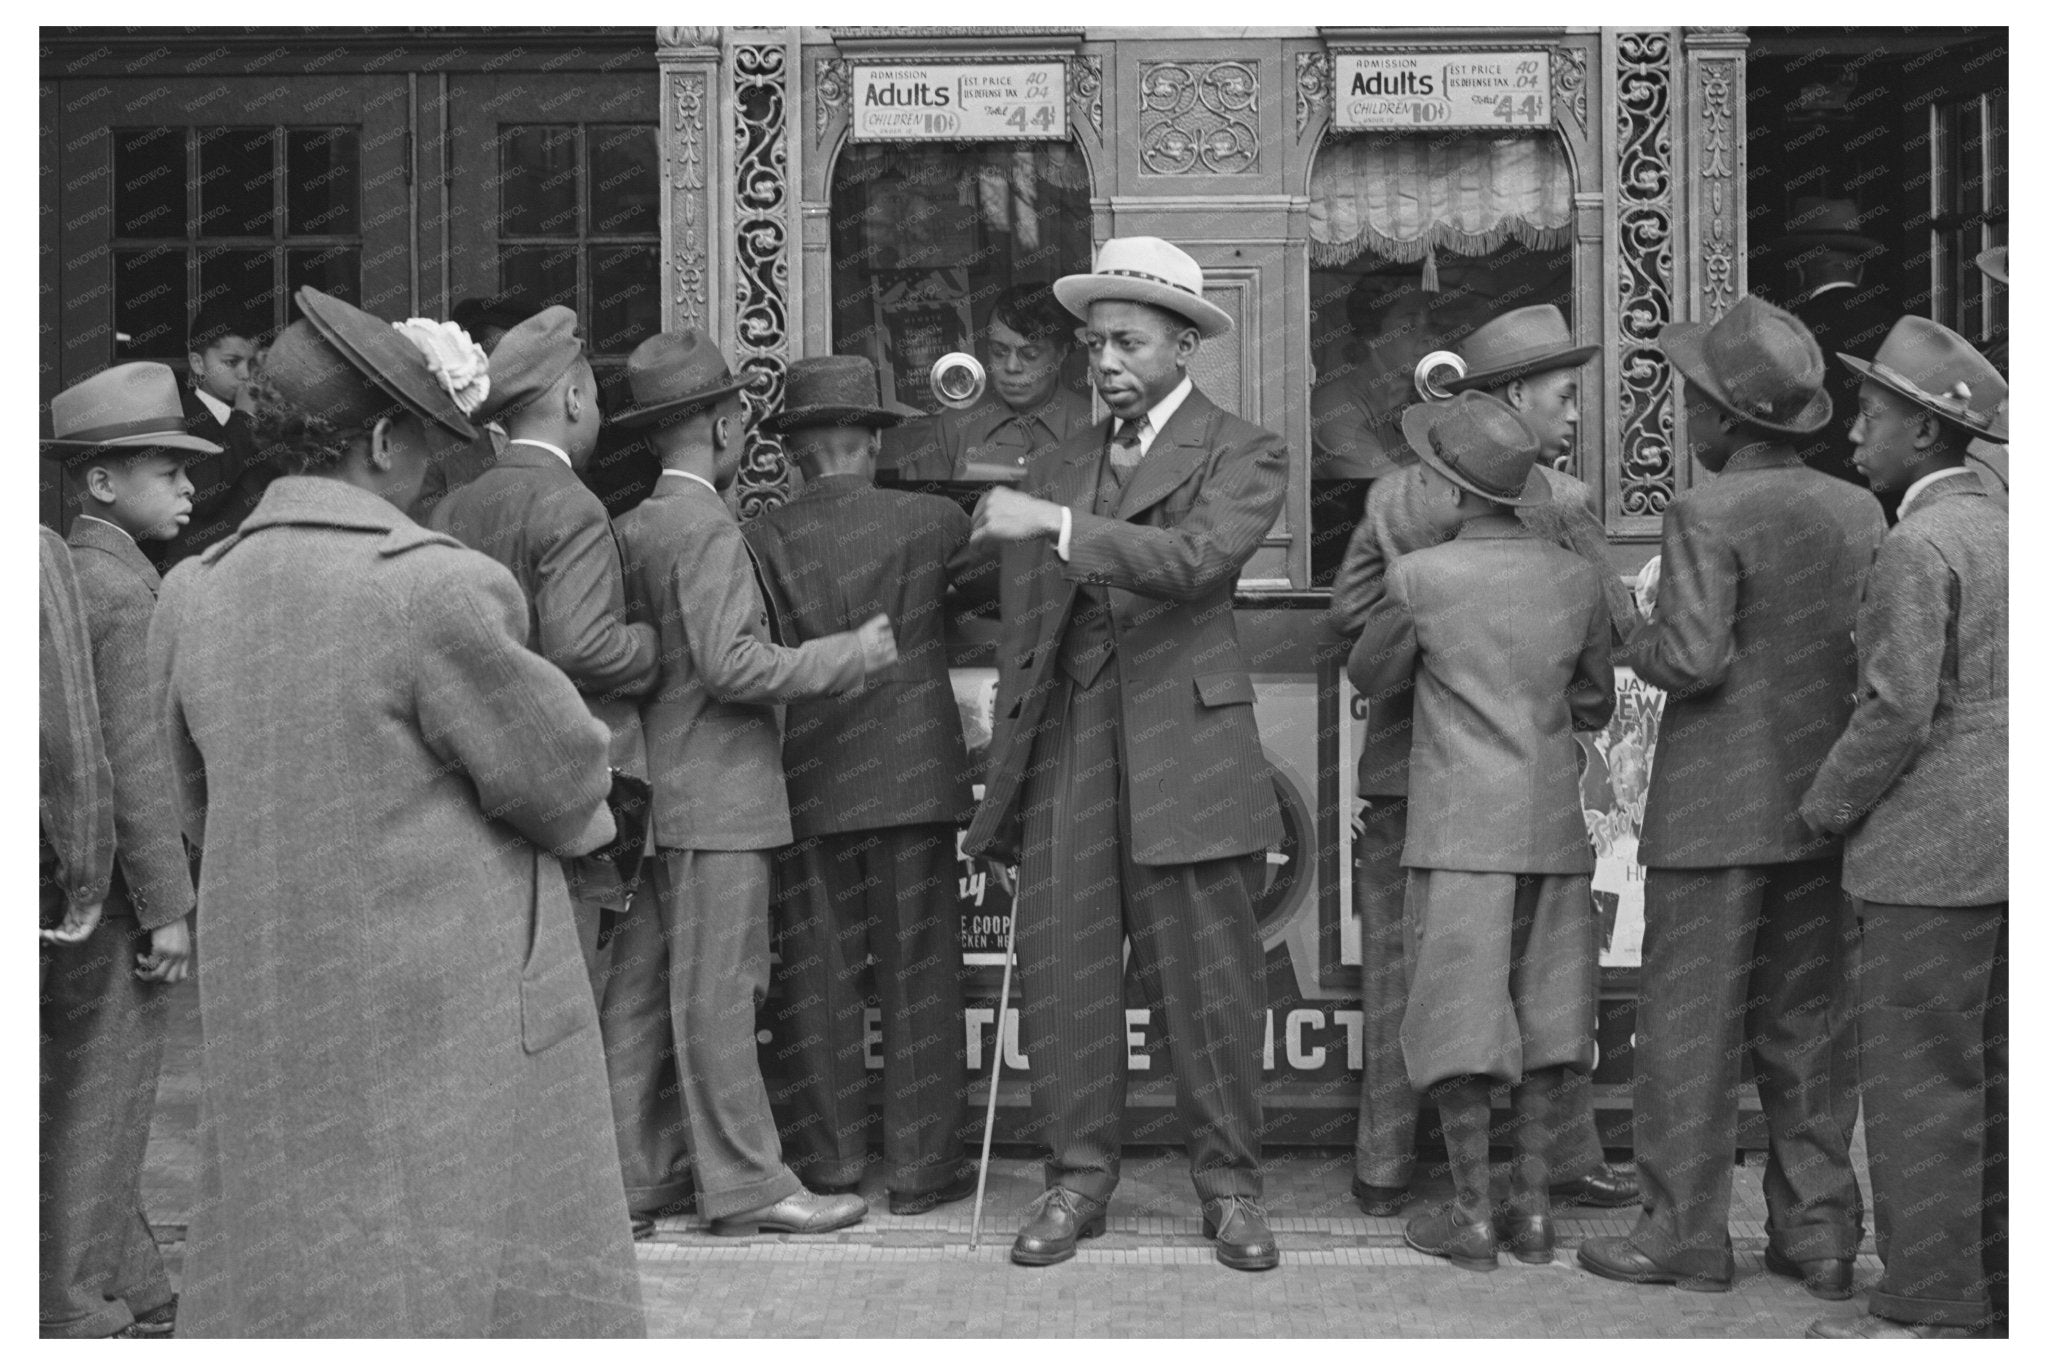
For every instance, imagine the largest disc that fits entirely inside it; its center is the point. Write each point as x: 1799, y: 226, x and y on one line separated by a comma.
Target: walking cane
x: 995, y: 1075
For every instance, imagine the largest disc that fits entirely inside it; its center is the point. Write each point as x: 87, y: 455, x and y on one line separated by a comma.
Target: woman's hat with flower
x: 351, y: 368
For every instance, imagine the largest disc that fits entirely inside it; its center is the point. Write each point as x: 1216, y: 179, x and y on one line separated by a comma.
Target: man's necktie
x: 1123, y: 448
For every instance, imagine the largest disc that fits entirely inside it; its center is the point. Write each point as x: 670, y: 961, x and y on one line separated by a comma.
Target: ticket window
x: 927, y: 241
x: 1415, y: 242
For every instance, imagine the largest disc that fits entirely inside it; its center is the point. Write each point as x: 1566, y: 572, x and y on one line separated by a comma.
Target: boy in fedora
x: 714, y: 744
x: 531, y: 513
x: 1745, y: 935
x: 877, y: 789
x: 121, y: 438
x: 1126, y: 774
x: 1506, y: 638
x: 1528, y: 360
x: 1918, y: 784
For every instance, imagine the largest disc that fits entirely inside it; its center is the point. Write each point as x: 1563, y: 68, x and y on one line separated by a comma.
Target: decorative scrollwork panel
x: 761, y: 242
x: 1198, y: 118
x: 688, y: 150
x: 1568, y: 82
x: 1084, y: 93
x: 1718, y: 216
x: 1643, y: 258
x: 1311, y: 88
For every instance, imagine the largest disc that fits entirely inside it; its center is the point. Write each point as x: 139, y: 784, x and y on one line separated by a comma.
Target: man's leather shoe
x: 1379, y: 1201
x: 161, y: 1321
x: 1530, y: 1237
x: 1058, y: 1219
x: 1603, y: 1187
x: 642, y: 1224
x: 1469, y: 1246
x: 1870, y: 1327
x: 924, y: 1201
x: 1237, y: 1225
x: 1617, y: 1258
x: 1832, y: 1278
x: 802, y: 1212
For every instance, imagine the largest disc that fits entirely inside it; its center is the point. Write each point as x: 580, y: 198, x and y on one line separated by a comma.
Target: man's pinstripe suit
x: 1126, y: 766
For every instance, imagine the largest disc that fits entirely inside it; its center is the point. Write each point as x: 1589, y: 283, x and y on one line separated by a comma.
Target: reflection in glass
x: 625, y: 180
x: 239, y: 282
x: 149, y: 182
x: 336, y: 270
x: 537, y: 186
x: 625, y: 297
x: 538, y: 275
x: 322, y: 172
x: 149, y: 303
x: 237, y: 168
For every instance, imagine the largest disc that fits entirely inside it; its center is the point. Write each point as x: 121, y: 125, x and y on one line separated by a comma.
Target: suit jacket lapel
x: 1177, y: 452
x: 1076, y: 478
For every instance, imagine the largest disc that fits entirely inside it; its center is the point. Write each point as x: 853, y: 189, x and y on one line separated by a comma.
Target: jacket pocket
x: 1224, y: 689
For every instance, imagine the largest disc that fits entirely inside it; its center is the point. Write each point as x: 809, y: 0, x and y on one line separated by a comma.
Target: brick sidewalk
x: 1152, y: 1275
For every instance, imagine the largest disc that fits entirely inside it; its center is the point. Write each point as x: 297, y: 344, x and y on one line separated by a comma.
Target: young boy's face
x: 223, y: 367
x: 149, y: 497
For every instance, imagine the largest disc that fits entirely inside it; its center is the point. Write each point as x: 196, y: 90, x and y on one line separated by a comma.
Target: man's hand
x: 77, y: 925
x: 877, y: 643
x: 1646, y: 585
x: 1005, y: 515
x: 169, y: 955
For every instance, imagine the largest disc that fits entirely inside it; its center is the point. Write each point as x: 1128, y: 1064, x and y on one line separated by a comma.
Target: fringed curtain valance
x: 1402, y: 197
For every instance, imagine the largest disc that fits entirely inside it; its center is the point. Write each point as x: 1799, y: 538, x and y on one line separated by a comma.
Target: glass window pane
x: 336, y: 270
x: 323, y: 168
x: 149, y: 304
x: 237, y: 168
x: 536, y: 276
x: 625, y: 297
x: 149, y: 182
x: 625, y: 181
x: 537, y: 182
x: 240, y: 282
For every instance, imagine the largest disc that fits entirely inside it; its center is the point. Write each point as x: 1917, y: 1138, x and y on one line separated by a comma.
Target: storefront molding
x: 1645, y: 286
x: 1311, y: 90
x: 897, y: 41
x: 1716, y: 128
x: 1568, y: 83
x: 762, y: 193
x: 1198, y: 118
x: 688, y: 107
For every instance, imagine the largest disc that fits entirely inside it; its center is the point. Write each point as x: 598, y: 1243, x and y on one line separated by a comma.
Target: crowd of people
x: 487, y: 805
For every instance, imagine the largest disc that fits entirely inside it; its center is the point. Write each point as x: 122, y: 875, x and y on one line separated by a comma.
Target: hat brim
x: 1992, y: 261
x: 367, y: 343
x: 1076, y: 292
x: 1993, y: 430
x: 163, y: 440
x: 1416, y: 424
x: 671, y: 408
x: 830, y: 415
x: 1684, y: 344
x: 1568, y: 359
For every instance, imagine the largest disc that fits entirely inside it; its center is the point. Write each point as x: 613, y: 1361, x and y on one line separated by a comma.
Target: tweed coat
x: 891, y: 753
x: 532, y: 514
x: 77, y: 787
x: 120, y: 586
x: 1506, y: 636
x: 1919, y: 778
x: 1196, y: 780
x: 1750, y: 640
x: 404, y: 1124
x: 457, y: 468
x: 714, y: 736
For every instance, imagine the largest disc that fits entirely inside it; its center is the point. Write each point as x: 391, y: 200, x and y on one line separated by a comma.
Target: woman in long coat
x: 404, y: 1123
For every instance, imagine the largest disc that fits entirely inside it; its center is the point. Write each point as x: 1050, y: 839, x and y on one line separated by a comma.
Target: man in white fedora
x: 1126, y: 776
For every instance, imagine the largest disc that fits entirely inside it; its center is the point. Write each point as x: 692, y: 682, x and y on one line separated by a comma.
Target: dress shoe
x: 802, y: 1212
x: 1469, y: 1246
x: 1603, y: 1187
x: 1617, y: 1258
x: 643, y: 1226
x: 1831, y: 1278
x: 1237, y: 1225
x: 1058, y: 1219
x: 1870, y: 1327
x: 160, y: 1321
x: 1530, y: 1237
x: 924, y: 1201
x: 1379, y: 1201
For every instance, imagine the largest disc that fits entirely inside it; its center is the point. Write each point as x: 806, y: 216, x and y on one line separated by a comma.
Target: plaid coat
x: 404, y: 1124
